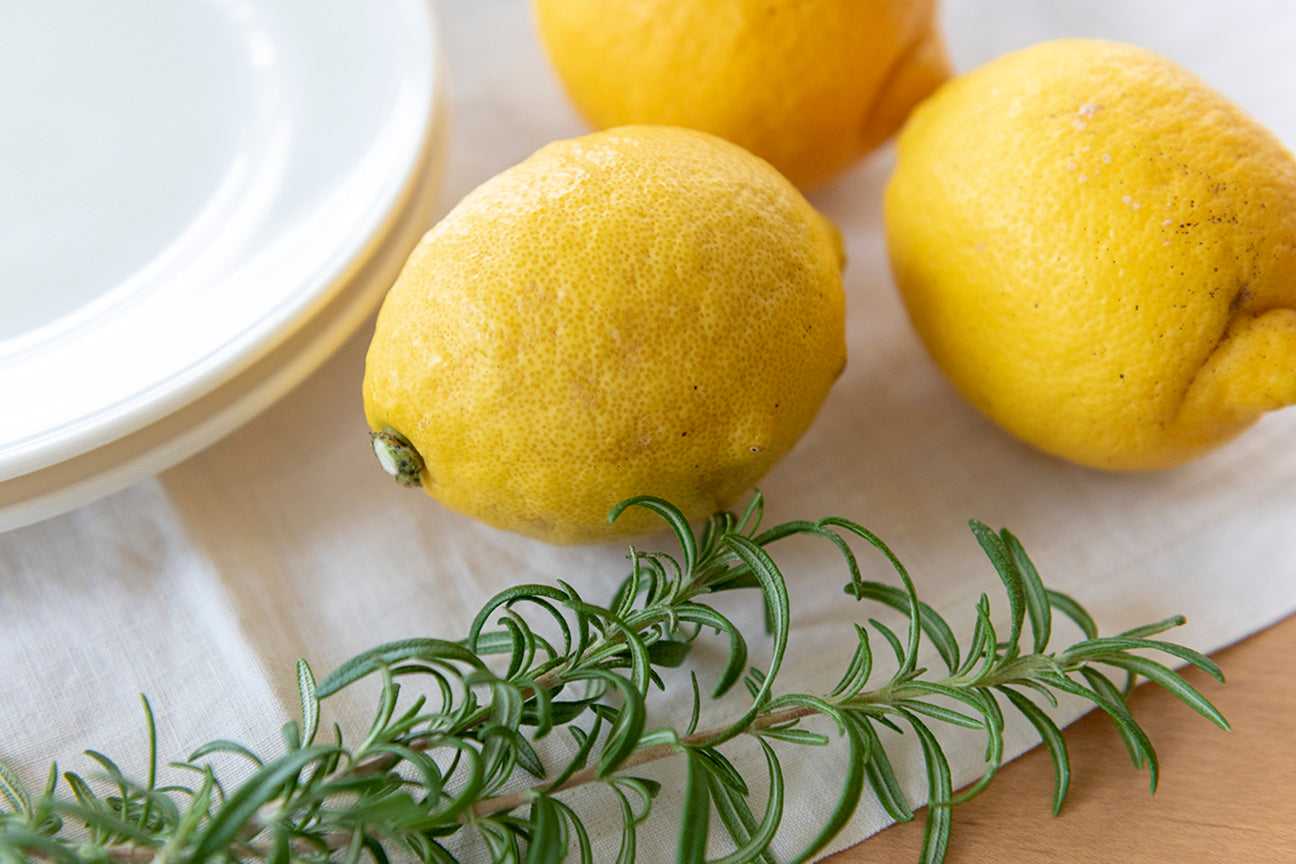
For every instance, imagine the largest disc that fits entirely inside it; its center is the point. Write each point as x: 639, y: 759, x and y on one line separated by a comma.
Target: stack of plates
x: 199, y: 201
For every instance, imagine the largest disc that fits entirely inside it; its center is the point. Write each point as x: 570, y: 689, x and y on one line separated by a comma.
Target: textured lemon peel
x: 917, y: 70
x: 1252, y: 370
x: 1106, y: 319
x: 669, y: 324
x: 800, y: 84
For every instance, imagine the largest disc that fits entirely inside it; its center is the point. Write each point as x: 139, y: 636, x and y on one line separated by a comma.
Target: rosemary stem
x: 501, y: 803
x: 245, y: 849
x: 316, y: 803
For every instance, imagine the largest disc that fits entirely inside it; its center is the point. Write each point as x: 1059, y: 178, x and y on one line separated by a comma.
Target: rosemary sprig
x: 459, y: 760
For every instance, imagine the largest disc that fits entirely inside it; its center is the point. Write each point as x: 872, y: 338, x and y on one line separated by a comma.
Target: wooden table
x: 1223, y: 797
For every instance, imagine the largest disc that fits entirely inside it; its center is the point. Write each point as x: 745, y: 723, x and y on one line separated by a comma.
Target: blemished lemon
x: 1100, y: 252
x: 640, y: 311
x: 809, y: 85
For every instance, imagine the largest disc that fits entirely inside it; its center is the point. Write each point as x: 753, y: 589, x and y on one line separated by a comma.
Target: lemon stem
x: 397, y: 456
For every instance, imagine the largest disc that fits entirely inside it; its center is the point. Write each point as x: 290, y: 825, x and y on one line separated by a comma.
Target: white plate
x: 189, y: 188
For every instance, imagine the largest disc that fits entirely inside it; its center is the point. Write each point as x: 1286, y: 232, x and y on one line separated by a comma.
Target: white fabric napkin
x: 203, y: 586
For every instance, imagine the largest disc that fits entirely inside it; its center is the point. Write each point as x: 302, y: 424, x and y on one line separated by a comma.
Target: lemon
x: 809, y: 85
x: 1100, y: 252
x: 640, y: 311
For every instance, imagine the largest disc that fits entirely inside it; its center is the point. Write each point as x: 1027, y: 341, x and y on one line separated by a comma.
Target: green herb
x: 458, y: 760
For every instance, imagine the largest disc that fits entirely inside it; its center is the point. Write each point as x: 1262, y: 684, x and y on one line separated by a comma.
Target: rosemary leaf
x: 450, y: 752
x: 696, y: 817
x: 13, y: 792
x: 1052, y: 737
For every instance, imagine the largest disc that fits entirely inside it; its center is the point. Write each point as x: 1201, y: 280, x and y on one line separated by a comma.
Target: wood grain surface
x: 1223, y: 796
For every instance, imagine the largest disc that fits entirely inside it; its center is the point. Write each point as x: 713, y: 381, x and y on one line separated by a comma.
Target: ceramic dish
x: 202, y: 202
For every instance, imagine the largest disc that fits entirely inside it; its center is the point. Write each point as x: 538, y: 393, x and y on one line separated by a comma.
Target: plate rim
x: 169, y: 440
x: 236, y: 351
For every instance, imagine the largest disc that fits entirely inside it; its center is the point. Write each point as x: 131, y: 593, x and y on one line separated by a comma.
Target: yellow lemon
x: 645, y: 310
x: 1100, y: 252
x: 810, y: 85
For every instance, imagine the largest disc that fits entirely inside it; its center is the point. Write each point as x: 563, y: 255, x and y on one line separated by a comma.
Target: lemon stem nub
x: 398, y: 456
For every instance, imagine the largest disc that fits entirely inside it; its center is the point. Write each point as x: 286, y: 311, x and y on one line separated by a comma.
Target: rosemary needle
x: 447, y: 765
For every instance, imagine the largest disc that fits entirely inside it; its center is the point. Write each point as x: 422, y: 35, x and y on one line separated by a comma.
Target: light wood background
x: 1223, y: 796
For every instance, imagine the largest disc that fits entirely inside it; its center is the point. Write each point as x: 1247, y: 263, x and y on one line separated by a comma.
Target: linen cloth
x: 201, y: 587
